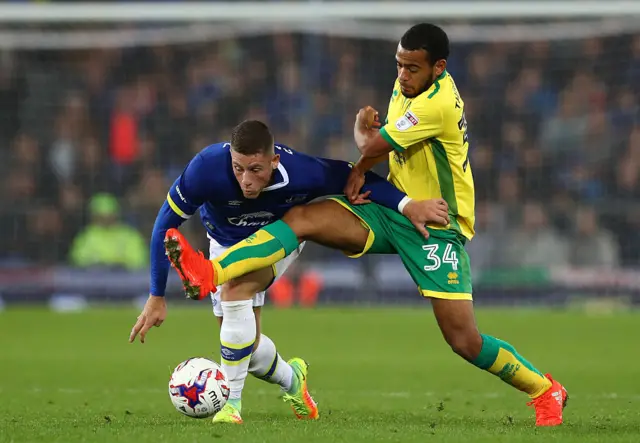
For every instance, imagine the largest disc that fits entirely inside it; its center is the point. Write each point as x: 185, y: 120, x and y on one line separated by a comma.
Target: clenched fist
x: 368, y: 118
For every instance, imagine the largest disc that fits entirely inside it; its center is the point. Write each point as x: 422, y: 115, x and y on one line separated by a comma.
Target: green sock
x: 501, y: 359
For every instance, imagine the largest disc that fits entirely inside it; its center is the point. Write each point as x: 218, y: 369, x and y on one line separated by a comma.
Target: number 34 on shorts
x: 441, y: 267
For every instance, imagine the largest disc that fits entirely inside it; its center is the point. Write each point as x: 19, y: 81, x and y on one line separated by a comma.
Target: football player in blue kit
x: 240, y: 187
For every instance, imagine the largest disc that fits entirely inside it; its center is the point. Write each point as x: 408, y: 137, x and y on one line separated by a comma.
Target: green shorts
x: 439, y: 265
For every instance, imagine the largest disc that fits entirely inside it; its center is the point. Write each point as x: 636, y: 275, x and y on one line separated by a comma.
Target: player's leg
x: 264, y: 354
x: 293, y: 375
x: 441, y: 269
x: 457, y: 323
x: 238, y: 334
x: 256, y: 311
x: 327, y: 223
x: 265, y: 362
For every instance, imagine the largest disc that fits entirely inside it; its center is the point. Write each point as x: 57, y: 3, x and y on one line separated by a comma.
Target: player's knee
x: 467, y: 343
x: 236, y: 291
x: 300, y: 220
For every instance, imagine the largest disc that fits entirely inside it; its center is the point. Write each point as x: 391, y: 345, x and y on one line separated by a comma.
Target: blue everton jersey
x: 208, y: 184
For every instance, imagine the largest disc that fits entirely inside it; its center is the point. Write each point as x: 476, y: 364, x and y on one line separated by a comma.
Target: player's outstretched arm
x: 184, y: 198
x: 420, y: 213
x: 334, y: 177
x: 155, y: 309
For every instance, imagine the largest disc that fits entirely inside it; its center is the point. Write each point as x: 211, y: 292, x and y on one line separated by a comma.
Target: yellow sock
x: 265, y: 248
x: 501, y: 359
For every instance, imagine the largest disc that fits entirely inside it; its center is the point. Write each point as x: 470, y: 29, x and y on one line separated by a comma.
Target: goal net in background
x: 102, y: 105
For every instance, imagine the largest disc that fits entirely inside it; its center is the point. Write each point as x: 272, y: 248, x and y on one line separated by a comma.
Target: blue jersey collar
x: 280, y: 184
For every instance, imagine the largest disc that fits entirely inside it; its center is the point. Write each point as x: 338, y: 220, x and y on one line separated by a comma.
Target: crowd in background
x: 554, y: 130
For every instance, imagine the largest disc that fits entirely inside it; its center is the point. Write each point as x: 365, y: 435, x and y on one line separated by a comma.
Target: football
x: 198, y: 388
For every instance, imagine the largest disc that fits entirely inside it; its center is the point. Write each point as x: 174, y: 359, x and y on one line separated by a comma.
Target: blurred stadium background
x: 102, y: 106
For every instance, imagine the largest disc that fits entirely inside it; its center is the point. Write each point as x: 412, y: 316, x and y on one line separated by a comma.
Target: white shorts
x: 215, y: 250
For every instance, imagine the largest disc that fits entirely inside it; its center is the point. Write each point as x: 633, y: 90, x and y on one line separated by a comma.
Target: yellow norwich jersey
x: 430, y: 157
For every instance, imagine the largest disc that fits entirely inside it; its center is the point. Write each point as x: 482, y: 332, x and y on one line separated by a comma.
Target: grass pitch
x: 379, y: 375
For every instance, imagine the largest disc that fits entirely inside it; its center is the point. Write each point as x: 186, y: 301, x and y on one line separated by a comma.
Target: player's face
x: 415, y: 73
x: 254, y: 172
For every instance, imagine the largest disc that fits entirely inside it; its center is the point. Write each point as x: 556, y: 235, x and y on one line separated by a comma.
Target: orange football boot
x: 549, y: 405
x: 195, y: 270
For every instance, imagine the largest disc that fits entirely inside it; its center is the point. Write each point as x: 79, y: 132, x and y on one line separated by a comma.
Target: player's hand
x: 153, y: 314
x: 355, y: 182
x: 362, y: 199
x: 368, y: 118
x: 423, y: 212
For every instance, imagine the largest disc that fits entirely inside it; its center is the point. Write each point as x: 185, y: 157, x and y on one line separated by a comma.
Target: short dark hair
x: 429, y: 37
x: 252, y: 137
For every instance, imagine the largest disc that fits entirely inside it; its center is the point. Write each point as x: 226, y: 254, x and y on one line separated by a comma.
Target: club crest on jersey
x: 261, y: 218
x: 408, y: 120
